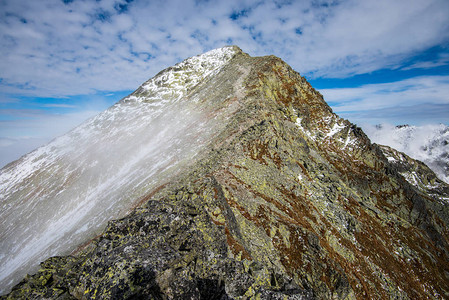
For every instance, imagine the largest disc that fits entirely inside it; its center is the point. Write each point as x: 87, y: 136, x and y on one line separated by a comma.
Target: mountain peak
x: 174, y: 82
x: 224, y: 176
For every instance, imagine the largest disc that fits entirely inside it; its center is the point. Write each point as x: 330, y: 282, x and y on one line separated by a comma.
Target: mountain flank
x: 257, y: 190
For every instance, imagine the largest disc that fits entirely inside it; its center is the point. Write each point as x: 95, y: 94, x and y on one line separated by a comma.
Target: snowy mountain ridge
x: 226, y: 177
x: 97, y: 170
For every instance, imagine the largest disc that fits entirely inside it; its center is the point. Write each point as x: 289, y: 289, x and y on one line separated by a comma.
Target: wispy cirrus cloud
x: 441, y: 60
x: 421, y: 99
x: 54, y: 48
x: 72, y: 48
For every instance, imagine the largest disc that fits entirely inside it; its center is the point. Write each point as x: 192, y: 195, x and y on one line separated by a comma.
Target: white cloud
x: 442, y: 60
x: 410, y: 92
x: 50, y: 48
x: 426, y: 143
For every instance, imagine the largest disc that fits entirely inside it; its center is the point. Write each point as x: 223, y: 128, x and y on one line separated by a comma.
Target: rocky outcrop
x: 417, y: 173
x: 287, y: 201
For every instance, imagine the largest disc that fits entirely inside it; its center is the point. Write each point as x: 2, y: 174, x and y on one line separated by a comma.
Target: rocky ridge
x: 284, y: 200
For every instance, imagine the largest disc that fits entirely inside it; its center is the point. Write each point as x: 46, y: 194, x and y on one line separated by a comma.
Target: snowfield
x: 60, y: 195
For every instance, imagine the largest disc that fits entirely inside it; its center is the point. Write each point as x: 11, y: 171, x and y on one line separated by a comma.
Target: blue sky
x: 375, y: 61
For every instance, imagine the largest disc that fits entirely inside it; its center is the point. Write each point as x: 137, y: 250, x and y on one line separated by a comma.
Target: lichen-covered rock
x: 169, y: 248
x: 288, y: 201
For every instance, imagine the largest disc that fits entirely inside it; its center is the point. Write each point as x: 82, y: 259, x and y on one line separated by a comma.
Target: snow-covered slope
x: 269, y: 195
x: 62, y: 194
x: 429, y: 143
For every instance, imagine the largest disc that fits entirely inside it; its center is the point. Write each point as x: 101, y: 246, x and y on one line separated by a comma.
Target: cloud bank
x: 59, y: 48
x: 427, y: 143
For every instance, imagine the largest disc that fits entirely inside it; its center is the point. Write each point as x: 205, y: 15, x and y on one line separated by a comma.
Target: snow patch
x: 298, y: 123
x: 349, y: 141
x: 175, y: 82
x: 335, y: 129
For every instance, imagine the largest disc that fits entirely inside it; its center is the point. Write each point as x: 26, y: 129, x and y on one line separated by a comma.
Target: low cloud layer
x: 427, y: 143
x: 18, y: 137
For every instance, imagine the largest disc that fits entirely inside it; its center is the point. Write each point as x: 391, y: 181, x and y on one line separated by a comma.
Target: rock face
x: 281, y: 199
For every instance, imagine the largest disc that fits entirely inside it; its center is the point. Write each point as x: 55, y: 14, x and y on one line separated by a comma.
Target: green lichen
x: 270, y: 210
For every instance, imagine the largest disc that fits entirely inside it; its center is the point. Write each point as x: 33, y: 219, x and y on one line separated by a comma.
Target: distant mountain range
x: 429, y: 143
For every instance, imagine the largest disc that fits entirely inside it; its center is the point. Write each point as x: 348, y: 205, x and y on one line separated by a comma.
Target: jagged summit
x: 228, y: 177
x: 173, y: 83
